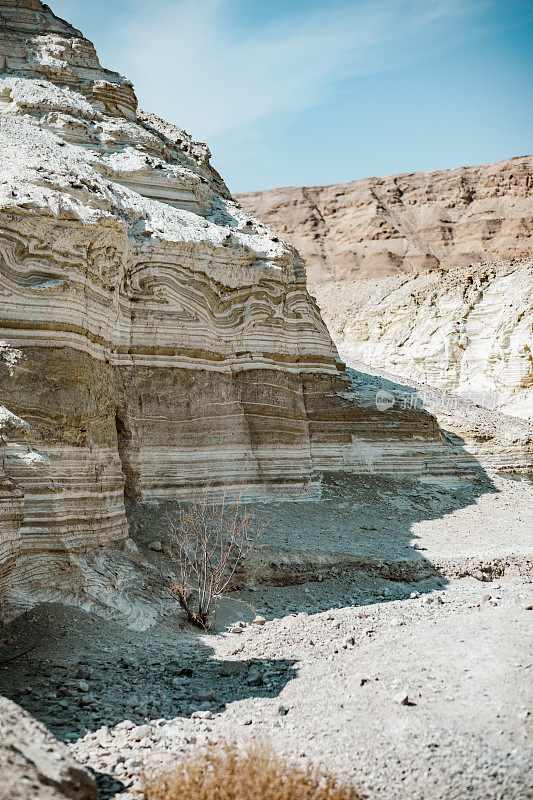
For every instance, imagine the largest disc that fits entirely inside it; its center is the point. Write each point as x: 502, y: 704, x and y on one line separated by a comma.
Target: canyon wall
x: 153, y: 337
x: 405, y: 223
x: 468, y: 330
x: 427, y: 276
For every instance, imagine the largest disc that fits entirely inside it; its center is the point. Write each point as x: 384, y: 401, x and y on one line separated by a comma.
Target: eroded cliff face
x: 427, y: 276
x: 467, y: 330
x: 405, y: 223
x: 154, y: 338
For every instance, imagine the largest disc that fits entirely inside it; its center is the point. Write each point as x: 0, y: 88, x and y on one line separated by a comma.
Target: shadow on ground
x: 361, y: 520
x: 83, y: 673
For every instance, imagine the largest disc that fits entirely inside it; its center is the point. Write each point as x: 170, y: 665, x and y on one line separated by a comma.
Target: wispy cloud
x: 206, y: 65
x: 194, y: 61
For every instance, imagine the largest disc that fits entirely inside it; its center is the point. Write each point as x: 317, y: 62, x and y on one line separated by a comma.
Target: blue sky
x: 301, y: 92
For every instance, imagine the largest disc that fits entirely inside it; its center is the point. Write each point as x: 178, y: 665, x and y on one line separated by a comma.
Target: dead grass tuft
x: 228, y: 774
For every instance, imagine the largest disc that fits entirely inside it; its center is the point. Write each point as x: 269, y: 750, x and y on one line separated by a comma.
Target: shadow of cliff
x: 83, y: 673
x: 359, y: 524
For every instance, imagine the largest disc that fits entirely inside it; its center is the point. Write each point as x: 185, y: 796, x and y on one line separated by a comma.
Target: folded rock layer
x: 154, y: 337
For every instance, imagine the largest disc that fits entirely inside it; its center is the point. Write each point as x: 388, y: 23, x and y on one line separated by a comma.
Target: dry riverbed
x: 415, y: 691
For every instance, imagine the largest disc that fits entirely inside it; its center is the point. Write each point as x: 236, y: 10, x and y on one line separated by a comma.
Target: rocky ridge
x: 405, y: 223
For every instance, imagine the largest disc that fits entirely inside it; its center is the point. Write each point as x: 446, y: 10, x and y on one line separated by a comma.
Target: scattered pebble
x: 401, y: 698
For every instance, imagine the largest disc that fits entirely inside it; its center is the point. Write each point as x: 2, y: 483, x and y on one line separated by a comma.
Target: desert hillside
x: 405, y: 223
x: 425, y: 275
x: 215, y: 535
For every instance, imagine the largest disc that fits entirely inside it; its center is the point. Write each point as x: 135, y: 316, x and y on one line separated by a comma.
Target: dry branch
x: 208, y: 543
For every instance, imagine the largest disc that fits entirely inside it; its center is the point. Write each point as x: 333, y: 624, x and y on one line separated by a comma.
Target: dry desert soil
x: 409, y: 680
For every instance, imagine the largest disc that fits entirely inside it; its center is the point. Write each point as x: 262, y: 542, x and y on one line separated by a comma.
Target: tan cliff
x: 405, y: 223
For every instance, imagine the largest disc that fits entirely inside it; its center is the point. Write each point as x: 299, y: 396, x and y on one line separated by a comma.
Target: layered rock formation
x: 467, y: 330
x: 405, y: 223
x: 154, y: 337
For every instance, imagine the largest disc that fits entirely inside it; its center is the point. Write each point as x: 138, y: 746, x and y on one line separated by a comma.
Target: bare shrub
x: 227, y: 774
x: 208, y: 543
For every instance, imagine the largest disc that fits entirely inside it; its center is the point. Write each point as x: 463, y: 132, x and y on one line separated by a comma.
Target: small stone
x: 282, y: 711
x: 247, y: 721
x: 235, y: 629
x: 255, y: 677
x: 414, y: 595
x: 125, y: 725
x: 258, y: 620
x: 156, y: 546
x: 202, y: 715
x: 146, y: 742
x: 486, y: 598
x: 402, y: 698
x: 83, y: 672
x: 186, y: 672
x: 103, y: 736
x: 83, y: 686
x: 140, y: 732
x: 206, y: 695
x: 87, y: 699
x: 230, y: 668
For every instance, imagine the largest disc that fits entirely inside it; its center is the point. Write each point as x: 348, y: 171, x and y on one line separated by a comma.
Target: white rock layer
x: 467, y: 330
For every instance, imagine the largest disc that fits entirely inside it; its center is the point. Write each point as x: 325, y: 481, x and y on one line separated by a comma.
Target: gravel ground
x: 418, y: 698
x: 395, y: 649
